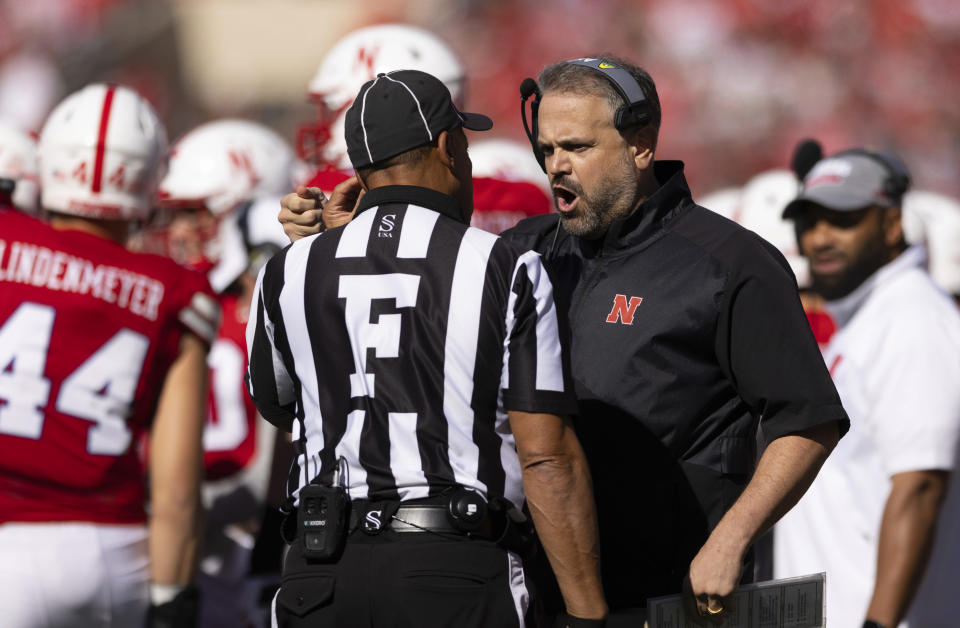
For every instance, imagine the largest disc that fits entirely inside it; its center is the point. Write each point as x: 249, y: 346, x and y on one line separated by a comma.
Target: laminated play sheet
x: 787, y: 603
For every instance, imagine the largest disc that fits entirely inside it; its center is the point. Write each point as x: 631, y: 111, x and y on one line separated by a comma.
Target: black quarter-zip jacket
x: 687, y: 332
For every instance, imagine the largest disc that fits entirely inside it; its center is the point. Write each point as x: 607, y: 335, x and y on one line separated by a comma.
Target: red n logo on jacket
x: 623, y: 312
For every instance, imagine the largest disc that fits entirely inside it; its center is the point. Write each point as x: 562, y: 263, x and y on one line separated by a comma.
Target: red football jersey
x: 497, y: 204
x: 88, y: 331
x: 229, y: 439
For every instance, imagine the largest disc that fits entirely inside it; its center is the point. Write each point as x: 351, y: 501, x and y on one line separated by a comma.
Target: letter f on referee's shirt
x: 622, y: 312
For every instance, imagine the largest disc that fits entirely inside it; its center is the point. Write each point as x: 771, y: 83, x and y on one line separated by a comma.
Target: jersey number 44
x: 100, y: 390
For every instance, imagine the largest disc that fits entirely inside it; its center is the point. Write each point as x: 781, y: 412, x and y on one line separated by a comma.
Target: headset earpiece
x: 898, y: 177
x: 627, y: 117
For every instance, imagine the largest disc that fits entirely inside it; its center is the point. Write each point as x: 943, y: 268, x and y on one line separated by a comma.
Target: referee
x: 418, y: 363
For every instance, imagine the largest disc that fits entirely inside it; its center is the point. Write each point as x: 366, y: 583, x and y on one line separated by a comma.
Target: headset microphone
x: 529, y: 88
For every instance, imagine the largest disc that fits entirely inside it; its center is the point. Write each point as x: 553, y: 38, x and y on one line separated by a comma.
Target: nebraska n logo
x: 623, y: 312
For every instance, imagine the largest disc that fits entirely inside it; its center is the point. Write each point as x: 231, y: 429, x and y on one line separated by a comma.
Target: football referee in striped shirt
x: 419, y: 365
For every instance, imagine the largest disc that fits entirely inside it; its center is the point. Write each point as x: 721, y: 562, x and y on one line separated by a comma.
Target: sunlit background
x: 740, y: 80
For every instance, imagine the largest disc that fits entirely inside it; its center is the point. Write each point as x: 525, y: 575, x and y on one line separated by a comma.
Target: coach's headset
x: 635, y: 113
x: 898, y: 177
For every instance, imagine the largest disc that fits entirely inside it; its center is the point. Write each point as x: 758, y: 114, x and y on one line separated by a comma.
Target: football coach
x: 687, y: 335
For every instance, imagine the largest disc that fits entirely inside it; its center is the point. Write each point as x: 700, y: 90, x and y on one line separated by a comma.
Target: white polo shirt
x: 895, y: 360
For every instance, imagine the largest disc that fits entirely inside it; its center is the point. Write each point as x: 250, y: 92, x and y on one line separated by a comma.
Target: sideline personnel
x: 686, y: 332
x: 870, y: 518
x: 424, y: 369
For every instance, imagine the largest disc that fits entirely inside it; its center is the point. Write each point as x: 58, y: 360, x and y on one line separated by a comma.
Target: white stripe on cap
x: 363, y: 125
x: 416, y: 100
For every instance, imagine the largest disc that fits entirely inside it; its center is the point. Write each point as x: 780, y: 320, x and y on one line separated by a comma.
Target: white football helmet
x: 934, y: 220
x: 354, y: 60
x: 507, y: 160
x: 761, y: 207
x: 222, y: 163
x: 213, y: 170
x: 101, y: 152
x: 18, y: 163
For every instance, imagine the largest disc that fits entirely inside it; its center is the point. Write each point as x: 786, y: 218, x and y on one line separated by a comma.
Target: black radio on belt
x: 322, y: 520
x: 466, y: 509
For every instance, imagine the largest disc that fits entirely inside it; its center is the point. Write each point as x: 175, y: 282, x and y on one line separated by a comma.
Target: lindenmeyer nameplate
x: 787, y: 603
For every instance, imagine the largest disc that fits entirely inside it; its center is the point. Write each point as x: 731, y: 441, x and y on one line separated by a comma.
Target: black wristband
x: 579, y: 622
x: 180, y: 612
x: 872, y: 624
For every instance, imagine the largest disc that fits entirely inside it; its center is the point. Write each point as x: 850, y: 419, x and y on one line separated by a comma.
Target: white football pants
x: 88, y: 575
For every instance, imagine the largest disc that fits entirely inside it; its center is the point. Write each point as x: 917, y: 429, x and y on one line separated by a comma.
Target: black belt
x: 372, y: 518
x: 416, y: 518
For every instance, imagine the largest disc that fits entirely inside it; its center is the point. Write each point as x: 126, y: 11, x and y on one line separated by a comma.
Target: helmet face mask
x: 354, y: 60
x: 101, y: 153
x: 186, y: 234
x: 313, y: 137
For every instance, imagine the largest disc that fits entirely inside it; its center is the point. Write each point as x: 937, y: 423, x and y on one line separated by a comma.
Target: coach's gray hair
x: 569, y: 78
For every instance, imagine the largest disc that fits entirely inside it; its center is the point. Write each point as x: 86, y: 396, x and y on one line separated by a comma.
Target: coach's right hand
x: 308, y: 211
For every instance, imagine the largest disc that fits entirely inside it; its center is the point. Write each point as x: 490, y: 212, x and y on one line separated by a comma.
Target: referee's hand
x: 343, y: 201
x: 308, y: 211
x: 300, y: 212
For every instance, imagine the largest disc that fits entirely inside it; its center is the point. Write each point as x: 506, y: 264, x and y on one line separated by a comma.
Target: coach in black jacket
x: 686, y: 331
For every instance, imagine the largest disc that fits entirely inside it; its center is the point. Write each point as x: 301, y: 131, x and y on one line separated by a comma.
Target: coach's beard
x: 591, y: 217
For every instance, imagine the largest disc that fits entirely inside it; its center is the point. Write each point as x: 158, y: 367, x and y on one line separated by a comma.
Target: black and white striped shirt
x: 401, y: 340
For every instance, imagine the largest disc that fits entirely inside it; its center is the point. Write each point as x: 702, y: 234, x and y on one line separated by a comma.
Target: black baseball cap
x: 399, y: 111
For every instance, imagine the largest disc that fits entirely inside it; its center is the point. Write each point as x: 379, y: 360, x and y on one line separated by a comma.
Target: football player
x: 99, y: 347
x: 508, y: 184
x: 213, y: 169
x: 218, y: 220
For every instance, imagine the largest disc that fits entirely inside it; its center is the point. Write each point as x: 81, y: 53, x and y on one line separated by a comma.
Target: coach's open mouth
x: 566, y: 201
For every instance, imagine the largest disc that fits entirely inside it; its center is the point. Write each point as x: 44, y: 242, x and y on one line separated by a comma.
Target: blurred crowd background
x: 740, y: 80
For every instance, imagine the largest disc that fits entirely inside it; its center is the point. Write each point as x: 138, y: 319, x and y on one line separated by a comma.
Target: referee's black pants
x: 404, y: 579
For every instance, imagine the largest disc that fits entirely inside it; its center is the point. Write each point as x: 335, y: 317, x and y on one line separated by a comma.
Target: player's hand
x: 300, y: 212
x: 343, y: 201
x: 713, y: 577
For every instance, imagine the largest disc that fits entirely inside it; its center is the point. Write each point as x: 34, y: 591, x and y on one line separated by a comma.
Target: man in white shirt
x: 871, y: 518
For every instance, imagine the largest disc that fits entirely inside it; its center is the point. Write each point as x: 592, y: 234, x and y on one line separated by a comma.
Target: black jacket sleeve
x: 765, y: 344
